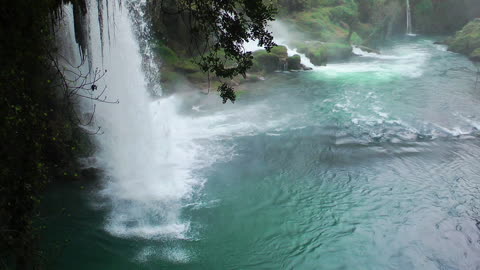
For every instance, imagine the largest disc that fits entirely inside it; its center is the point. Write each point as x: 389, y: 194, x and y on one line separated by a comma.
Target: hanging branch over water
x: 75, y: 84
x: 72, y: 80
x: 219, y: 28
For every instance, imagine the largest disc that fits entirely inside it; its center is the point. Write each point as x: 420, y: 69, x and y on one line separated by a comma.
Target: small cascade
x: 409, y: 19
x: 279, y: 32
x: 304, y: 59
x: 252, y: 46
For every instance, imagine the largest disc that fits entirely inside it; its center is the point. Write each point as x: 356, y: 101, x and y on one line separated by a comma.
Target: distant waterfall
x: 409, y: 19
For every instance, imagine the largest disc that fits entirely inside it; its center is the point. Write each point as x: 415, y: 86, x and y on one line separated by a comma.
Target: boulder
x: 294, y: 62
x: 280, y: 51
x: 467, y: 40
x: 475, y: 55
x: 271, y: 61
x: 320, y: 53
x: 265, y: 61
x: 315, y: 51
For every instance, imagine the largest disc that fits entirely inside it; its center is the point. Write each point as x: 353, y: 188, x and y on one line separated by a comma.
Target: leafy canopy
x: 219, y: 29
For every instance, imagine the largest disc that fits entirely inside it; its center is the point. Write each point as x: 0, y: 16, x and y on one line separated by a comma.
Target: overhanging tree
x: 219, y: 29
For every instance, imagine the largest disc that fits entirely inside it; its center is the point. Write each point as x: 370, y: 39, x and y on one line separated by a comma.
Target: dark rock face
x: 443, y: 16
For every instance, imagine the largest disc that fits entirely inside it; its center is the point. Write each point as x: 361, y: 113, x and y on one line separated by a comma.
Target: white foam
x: 171, y: 254
x: 147, y: 150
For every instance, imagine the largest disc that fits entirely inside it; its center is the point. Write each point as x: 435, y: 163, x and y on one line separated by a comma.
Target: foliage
x: 218, y: 30
x: 227, y: 93
x: 280, y: 51
x: 467, y: 40
x: 168, y: 56
x: 40, y: 138
x: 294, y: 5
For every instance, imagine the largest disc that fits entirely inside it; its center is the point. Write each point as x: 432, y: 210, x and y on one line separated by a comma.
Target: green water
x: 368, y: 164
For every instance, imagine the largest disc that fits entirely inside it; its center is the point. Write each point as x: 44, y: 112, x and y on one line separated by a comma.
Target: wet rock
x: 306, y: 68
x: 271, y: 61
x: 320, y: 53
x: 368, y: 49
x: 467, y: 40
x: 294, y: 62
x: 475, y: 55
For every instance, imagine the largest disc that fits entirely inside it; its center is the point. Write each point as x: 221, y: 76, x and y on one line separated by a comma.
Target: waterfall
x: 145, y: 148
x: 409, y: 19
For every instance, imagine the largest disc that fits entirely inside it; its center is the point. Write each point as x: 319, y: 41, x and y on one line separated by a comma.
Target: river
x: 370, y: 163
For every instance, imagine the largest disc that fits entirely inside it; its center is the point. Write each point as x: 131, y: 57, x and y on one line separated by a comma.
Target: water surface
x: 367, y: 164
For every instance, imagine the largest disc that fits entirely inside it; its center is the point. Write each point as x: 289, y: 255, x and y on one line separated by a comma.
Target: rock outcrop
x: 467, y: 40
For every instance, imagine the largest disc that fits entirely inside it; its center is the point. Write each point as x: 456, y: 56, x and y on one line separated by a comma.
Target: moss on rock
x: 475, y: 55
x: 320, y: 53
x: 280, y: 51
x: 467, y: 40
x: 294, y: 62
x: 269, y: 61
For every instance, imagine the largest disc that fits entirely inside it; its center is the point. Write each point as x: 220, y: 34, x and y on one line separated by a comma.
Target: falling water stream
x: 409, y: 19
x: 370, y: 163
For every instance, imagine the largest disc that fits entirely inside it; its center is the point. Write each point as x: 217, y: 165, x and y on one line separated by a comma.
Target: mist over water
x: 370, y: 163
x: 144, y: 147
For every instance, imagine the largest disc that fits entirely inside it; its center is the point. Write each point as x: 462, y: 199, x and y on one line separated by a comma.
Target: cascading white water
x: 279, y: 30
x: 149, y: 152
x: 409, y: 19
x: 145, y: 148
